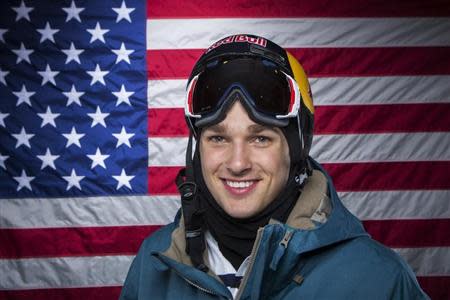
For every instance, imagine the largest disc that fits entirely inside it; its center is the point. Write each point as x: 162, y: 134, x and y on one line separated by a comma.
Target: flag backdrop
x: 92, y: 129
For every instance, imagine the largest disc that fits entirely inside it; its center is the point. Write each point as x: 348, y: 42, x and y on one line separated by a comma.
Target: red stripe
x: 324, y: 62
x: 385, y: 176
x: 51, y: 242
x: 58, y: 242
x: 410, y: 233
x: 171, y: 64
x: 299, y: 8
x: 97, y: 293
x: 161, y: 180
x: 361, y: 119
x: 339, y: 119
x: 167, y: 122
x: 381, y: 176
x: 437, y: 287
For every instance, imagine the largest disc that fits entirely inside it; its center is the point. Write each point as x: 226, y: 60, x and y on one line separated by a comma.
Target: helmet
x: 268, y: 80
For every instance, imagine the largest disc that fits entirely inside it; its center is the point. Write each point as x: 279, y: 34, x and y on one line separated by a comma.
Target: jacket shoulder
x: 159, y: 240
x: 371, y: 266
x: 144, y: 266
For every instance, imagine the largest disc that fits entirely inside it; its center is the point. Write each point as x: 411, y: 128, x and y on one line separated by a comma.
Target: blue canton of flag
x: 73, y: 98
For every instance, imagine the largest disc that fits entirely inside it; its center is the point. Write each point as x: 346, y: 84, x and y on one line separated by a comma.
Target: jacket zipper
x: 250, y: 266
x: 196, y: 285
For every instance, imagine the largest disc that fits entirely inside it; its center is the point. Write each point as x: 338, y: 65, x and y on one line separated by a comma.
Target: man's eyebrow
x: 217, y: 128
x: 257, y: 128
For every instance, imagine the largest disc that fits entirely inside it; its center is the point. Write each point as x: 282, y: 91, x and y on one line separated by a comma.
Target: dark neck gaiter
x: 237, y: 236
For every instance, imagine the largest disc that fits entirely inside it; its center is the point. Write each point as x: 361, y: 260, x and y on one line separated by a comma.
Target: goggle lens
x: 207, y: 90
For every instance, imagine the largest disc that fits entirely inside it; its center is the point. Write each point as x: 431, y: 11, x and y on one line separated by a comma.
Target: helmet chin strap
x: 307, y: 168
x: 192, y: 214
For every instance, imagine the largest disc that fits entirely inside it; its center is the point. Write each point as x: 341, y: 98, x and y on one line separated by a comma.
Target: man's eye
x: 262, y: 139
x: 216, y: 139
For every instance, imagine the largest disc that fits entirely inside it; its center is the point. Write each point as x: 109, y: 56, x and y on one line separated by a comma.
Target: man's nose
x: 239, y: 160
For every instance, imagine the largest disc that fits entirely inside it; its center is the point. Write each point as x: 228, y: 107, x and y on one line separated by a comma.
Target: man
x: 260, y: 219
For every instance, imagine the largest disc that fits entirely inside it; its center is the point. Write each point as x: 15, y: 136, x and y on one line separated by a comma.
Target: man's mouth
x: 240, y: 187
x: 239, y: 184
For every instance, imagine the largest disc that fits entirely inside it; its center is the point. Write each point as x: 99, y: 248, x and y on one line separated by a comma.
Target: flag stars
x: 97, y: 33
x: 48, y: 75
x: 123, y: 96
x: 123, y: 137
x: 73, y: 12
x: 2, y: 118
x: 73, y: 138
x: 3, y: 75
x: 23, y: 138
x: 97, y: 75
x: 48, y: 159
x: 2, y: 161
x: 24, y: 96
x: 73, y: 180
x: 23, y: 54
x: 123, y: 180
x: 73, y: 96
x: 72, y: 54
x: 98, y: 117
x: 48, y: 117
x: 2, y: 32
x: 123, y: 12
x: 122, y: 54
x: 24, y: 181
x: 98, y: 159
x: 47, y: 33
x: 23, y: 11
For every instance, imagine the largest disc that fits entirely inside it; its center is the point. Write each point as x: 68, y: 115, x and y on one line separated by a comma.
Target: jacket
x: 322, y: 252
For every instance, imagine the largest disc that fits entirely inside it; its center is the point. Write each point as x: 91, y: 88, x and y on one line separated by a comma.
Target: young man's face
x: 245, y: 164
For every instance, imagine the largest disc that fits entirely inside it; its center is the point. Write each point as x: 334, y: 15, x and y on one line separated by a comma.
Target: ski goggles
x: 270, y: 95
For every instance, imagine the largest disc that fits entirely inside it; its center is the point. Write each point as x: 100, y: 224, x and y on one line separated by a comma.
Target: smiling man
x: 260, y: 219
x: 247, y: 164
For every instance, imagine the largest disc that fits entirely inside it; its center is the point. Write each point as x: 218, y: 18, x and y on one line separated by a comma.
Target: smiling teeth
x: 239, y: 184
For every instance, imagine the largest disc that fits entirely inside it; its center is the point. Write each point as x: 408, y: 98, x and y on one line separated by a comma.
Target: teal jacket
x: 322, y: 252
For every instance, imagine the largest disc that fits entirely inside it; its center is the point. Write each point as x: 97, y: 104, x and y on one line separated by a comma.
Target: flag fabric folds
x: 92, y: 130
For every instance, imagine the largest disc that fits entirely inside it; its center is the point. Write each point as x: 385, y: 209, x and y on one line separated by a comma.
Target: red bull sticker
x: 241, y: 38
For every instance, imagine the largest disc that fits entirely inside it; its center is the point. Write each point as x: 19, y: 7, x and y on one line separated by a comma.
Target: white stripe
x: 166, y: 93
x: 385, y: 205
x: 158, y: 210
x: 63, y: 272
x: 427, y: 261
x: 422, y: 146
x: 93, y: 211
x: 159, y: 147
x: 302, y: 32
x: 381, y: 90
x: 335, y: 91
x: 433, y: 146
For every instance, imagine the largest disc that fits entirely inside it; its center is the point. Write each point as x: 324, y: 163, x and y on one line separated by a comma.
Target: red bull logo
x: 241, y: 38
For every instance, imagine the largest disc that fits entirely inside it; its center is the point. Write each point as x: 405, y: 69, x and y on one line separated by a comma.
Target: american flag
x: 92, y: 131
